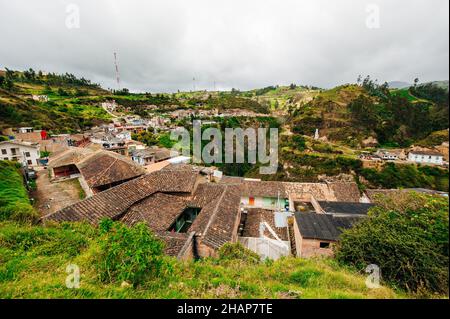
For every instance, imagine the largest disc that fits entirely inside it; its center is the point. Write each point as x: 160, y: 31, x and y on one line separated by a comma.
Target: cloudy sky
x: 163, y: 45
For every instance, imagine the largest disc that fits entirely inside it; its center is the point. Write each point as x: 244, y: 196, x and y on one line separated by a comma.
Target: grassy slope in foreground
x: 33, y: 262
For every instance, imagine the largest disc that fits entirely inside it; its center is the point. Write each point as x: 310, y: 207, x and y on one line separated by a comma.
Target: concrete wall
x: 21, y: 152
x: 205, y: 251
x: 264, y: 202
x: 311, y: 248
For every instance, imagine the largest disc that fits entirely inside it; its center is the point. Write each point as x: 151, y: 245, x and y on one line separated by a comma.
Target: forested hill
x: 395, y: 117
x: 346, y: 114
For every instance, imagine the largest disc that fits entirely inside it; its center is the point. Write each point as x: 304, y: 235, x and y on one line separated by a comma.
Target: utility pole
x: 193, y: 83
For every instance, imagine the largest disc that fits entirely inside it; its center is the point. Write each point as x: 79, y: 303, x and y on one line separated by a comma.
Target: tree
x: 47, y: 89
x: 299, y: 142
x: 7, y: 84
x: 62, y: 92
x: 407, y: 236
x: 359, y: 79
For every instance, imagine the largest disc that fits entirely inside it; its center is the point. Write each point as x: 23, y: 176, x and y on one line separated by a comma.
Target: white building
x: 426, y: 157
x: 124, y: 135
x: 109, y: 105
x: 24, y: 152
x: 25, y: 130
x: 387, y: 155
x: 40, y: 98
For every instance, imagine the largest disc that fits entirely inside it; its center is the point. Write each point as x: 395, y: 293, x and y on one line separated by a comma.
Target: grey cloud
x: 162, y: 45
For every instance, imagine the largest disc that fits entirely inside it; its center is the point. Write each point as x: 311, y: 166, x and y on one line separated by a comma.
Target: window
x: 29, y: 162
x: 324, y: 245
x: 3, y: 151
x: 185, y: 220
x: 27, y: 154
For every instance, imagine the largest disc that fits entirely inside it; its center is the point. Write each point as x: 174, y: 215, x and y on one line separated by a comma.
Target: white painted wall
x: 18, y: 152
x: 430, y: 159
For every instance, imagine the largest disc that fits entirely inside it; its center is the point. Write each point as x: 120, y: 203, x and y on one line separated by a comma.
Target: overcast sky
x: 163, y: 45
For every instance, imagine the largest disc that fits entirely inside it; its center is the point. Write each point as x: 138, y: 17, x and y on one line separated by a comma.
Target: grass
x: 406, y: 94
x: 33, y: 261
x: 12, y: 191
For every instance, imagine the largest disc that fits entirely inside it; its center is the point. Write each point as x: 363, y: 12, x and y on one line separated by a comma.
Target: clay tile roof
x: 103, y: 167
x: 158, y: 211
x: 263, y: 189
x: 223, y: 215
x: 345, y: 192
x: 114, y: 202
x: 254, y: 218
x: 427, y: 153
x: 71, y: 156
x: 335, y: 191
x: 173, y: 242
x: 322, y: 226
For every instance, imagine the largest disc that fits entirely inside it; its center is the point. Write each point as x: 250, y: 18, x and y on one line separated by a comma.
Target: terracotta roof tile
x: 114, y: 202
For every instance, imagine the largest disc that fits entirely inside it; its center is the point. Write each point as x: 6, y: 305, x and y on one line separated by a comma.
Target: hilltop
x: 347, y: 114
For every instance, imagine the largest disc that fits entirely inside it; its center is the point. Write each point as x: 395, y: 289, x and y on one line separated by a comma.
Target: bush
x: 128, y: 253
x: 406, y: 235
x: 404, y: 175
x: 231, y: 251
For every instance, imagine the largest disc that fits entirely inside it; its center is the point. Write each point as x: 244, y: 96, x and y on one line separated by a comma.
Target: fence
x: 266, y: 247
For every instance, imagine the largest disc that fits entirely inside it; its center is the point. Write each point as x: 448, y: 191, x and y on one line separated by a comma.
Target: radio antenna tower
x: 117, y: 70
x: 193, y: 83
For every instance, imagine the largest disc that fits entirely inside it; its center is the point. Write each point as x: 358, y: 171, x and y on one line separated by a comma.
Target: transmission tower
x: 117, y: 70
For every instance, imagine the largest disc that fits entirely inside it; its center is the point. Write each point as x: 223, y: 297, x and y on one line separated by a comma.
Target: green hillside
x: 351, y: 113
x: 65, y: 111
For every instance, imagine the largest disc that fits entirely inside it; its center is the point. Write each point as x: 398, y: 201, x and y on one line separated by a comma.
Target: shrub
x: 128, y: 253
x: 231, y: 251
x: 406, y: 235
